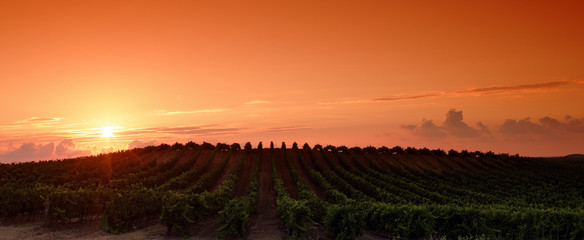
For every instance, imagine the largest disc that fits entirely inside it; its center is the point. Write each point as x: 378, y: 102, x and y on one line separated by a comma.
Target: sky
x: 89, y: 77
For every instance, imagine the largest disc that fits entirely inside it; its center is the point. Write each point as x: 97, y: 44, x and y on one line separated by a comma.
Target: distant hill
x: 577, y: 156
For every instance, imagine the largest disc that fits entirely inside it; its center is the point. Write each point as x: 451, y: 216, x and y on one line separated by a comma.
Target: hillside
x: 206, y: 191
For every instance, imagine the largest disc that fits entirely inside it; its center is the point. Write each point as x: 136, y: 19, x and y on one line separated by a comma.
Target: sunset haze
x: 88, y: 77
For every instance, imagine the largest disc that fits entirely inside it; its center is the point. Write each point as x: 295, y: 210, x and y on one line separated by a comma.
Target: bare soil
x: 306, y: 155
x: 389, y: 160
x: 245, y: 177
x: 295, y: 161
x: 233, y: 162
x: 284, y: 171
x: 320, y: 159
x: 266, y: 225
x: 346, y: 158
x: 83, y: 230
x: 432, y: 163
x: 166, y: 156
x: 463, y: 164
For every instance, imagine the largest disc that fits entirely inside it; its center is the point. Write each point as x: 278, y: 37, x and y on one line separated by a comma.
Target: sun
x: 108, y: 132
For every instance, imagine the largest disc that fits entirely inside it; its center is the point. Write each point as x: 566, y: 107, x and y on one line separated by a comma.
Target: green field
x: 330, y: 192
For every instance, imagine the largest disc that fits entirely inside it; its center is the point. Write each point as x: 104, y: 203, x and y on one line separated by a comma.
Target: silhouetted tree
x: 149, y: 149
x: 164, y: 146
x: 177, y: 146
x: 247, y: 146
x: 330, y: 148
x: 424, y: 151
x: 235, y: 147
x: 397, y: 150
x: 271, y: 145
x: 317, y: 147
x: 223, y: 147
x: 383, y: 149
x: 370, y: 149
x: 208, y: 146
x: 411, y: 150
x: 260, y: 146
x: 295, y: 146
x: 465, y: 153
x: 343, y: 148
x: 306, y: 146
x: 438, y: 152
x: 452, y: 153
x: 478, y: 154
x: 356, y: 150
x: 283, y: 145
x: 192, y: 145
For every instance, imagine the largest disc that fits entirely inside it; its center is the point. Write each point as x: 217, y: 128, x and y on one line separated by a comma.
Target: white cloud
x: 166, y: 113
x: 257, y: 102
x: 39, y: 120
x: 138, y: 144
x: 29, y: 152
x: 67, y: 149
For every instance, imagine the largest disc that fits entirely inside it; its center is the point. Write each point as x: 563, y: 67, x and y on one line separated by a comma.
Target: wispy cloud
x: 36, y: 126
x: 411, y: 97
x: 285, y: 129
x: 200, y: 130
x: 166, y: 113
x: 346, y: 101
x: 257, y: 102
x: 522, y: 87
x: 464, y: 92
x: 182, y: 130
x: 39, y: 120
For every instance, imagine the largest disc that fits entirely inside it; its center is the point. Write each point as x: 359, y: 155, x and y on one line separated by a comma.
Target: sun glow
x: 108, y: 132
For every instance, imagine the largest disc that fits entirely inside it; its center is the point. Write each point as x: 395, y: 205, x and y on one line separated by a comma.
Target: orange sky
x: 329, y: 72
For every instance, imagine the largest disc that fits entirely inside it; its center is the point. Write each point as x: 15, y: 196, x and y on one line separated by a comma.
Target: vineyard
x: 306, y: 192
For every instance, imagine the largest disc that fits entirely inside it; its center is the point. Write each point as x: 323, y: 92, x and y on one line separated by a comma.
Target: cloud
x: 198, y: 130
x: 189, y: 131
x: 412, y: 97
x: 429, y: 129
x: 347, y: 101
x: 39, y: 120
x: 66, y: 149
x: 409, y: 126
x: 106, y: 150
x: 166, y: 113
x: 464, y: 92
x: 545, y: 128
x: 284, y: 129
x: 182, y: 130
x: 29, y: 152
x: 522, y: 87
x: 453, y: 126
x: 138, y: 144
x: 526, y: 129
x: 257, y: 102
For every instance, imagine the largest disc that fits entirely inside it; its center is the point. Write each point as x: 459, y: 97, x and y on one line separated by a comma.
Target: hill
x: 206, y: 191
x: 575, y: 156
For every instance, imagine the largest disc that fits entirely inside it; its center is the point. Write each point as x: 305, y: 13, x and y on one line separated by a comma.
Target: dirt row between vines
x: 266, y: 224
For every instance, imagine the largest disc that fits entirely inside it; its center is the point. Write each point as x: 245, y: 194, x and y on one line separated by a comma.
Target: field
x: 300, y: 192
